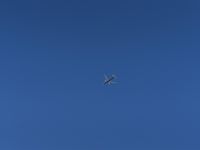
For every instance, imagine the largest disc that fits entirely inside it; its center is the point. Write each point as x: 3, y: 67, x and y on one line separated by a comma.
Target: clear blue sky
x: 53, y: 55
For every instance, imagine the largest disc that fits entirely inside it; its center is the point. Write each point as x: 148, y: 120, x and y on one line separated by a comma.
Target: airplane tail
x: 114, y: 75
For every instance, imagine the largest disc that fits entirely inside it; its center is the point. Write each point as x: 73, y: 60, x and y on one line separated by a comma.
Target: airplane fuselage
x: 109, y: 80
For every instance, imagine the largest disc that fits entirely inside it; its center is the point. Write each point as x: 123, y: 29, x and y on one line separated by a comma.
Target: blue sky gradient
x: 53, y: 55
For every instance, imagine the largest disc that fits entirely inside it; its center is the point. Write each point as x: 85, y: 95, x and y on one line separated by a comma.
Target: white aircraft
x: 109, y: 80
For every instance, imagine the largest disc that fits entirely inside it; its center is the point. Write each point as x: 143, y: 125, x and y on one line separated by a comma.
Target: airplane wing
x: 106, y: 78
x: 113, y: 82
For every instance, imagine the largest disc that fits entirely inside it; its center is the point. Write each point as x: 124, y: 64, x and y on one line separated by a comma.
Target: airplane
x: 109, y: 80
